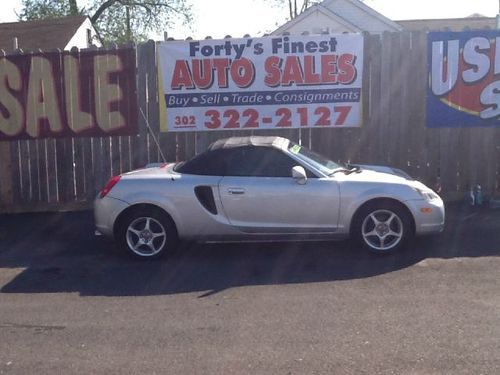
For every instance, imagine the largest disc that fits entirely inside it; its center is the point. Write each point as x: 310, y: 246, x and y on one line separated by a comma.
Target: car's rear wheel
x: 147, y: 233
x: 382, y: 227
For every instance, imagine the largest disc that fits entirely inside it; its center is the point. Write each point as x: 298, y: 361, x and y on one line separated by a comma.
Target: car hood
x: 387, y: 170
x: 383, y: 174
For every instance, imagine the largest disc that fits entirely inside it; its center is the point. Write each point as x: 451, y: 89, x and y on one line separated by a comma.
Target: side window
x: 260, y: 162
x: 208, y: 163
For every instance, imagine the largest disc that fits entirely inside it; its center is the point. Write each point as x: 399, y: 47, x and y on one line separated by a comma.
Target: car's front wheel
x: 382, y: 227
x: 147, y: 233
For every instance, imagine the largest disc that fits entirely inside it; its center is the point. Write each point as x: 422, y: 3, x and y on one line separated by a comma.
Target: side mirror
x: 299, y: 175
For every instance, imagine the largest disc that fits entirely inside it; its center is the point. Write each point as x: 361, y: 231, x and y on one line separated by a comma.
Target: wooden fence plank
x: 16, y: 173
x: 115, y: 156
x: 6, y: 176
x: 88, y: 167
x: 392, y: 134
x: 79, y: 168
x: 125, y: 159
x: 139, y: 142
x: 42, y: 170
x: 402, y: 157
x: 34, y: 172
x: 24, y: 163
x: 52, y: 186
x: 369, y: 148
x: 98, y: 167
x: 168, y: 145
x: 65, y: 170
x: 385, y: 99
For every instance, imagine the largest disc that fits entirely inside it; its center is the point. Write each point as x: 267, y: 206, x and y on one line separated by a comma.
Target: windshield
x: 314, y: 159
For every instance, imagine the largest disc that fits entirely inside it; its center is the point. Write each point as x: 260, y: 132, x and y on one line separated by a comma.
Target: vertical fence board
x: 372, y: 93
x: 97, y: 165
x: 393, y: 79
x: 6, y: 175
x: 115, y: 155
x: 385, y: 100
x: 32, y: 163
x: 52, y: 187
x: 106, y: 159
x: 125, y: 162
x: 16, y: 173
x: 79, y: 155
x: 140, y: 143
x: 65, y: 171
x: 168, y: 145
x: 24, y: 162
x: 42, y: 170
x: 88, y: 169
x: 190, y: 148
x: 402, y: 157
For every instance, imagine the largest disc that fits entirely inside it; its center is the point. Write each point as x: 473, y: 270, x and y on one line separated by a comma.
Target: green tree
x: 41, y: 9
x: 116, y: 20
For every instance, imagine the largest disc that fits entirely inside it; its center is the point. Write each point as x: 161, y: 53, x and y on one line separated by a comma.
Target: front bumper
x: 106, y: 210
x: 429, y: 215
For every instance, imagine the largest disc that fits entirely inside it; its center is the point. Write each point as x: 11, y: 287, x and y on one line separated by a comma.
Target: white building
x: 339, y: 16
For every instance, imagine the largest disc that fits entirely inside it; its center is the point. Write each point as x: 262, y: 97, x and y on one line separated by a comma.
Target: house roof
x: 40, y: 34
x: 321, y: 9
x: 365, y: 8
x: 329, y: 8
x: 474, y: 22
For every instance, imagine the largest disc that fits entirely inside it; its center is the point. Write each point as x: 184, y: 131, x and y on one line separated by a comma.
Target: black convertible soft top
x: 253, y: 140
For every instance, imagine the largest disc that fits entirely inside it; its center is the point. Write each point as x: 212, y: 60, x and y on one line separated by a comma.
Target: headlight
x: 428, y: 195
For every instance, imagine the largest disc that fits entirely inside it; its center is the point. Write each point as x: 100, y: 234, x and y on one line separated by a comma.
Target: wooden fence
x: 64, y: 174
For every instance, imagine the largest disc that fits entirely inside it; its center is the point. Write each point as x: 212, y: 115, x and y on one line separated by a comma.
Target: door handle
x: 236, y: 191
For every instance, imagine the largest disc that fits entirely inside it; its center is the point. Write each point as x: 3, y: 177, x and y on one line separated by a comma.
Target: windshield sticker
x: 295, y: 149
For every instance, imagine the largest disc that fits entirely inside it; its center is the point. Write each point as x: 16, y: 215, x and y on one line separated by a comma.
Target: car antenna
x: 152, y: 135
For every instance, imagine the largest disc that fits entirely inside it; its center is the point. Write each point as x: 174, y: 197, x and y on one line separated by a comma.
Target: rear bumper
x: 106, y: 210
x: 429, y: 216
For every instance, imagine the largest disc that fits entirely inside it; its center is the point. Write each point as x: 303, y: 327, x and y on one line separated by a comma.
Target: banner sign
x: 262, y: 83
x: 68, y: 94
x: 464, y: 85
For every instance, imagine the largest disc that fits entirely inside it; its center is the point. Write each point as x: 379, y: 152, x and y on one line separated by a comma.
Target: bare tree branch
x: 101, y: 9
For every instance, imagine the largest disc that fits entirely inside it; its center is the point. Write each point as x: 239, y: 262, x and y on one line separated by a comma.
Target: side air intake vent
x: 206, y: 197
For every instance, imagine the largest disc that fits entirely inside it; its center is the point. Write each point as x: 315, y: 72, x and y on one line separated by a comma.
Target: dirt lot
x: 70, y: 304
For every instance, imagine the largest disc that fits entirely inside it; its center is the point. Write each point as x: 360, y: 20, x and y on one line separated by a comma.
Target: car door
x: 258, y: 194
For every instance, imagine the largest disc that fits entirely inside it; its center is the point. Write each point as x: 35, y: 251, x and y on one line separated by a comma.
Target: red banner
x: 68, y: 94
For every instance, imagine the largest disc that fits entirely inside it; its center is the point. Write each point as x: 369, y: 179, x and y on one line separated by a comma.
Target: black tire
x: 382, y: 227
x: 147, y: 233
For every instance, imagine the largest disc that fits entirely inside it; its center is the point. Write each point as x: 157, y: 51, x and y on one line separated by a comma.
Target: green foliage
x: 43, y: 9
x: 116, y: 20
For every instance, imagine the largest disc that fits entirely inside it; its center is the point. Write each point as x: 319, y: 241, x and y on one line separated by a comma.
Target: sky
x: 218, y: 18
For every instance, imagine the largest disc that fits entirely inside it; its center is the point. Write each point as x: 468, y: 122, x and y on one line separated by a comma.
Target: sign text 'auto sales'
x: 271, y: 82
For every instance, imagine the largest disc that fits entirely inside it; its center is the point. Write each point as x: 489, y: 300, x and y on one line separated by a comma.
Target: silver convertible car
x: 264, y: 189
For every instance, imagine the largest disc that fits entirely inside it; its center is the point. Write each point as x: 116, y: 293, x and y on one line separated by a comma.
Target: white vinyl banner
x: 261, y: 83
